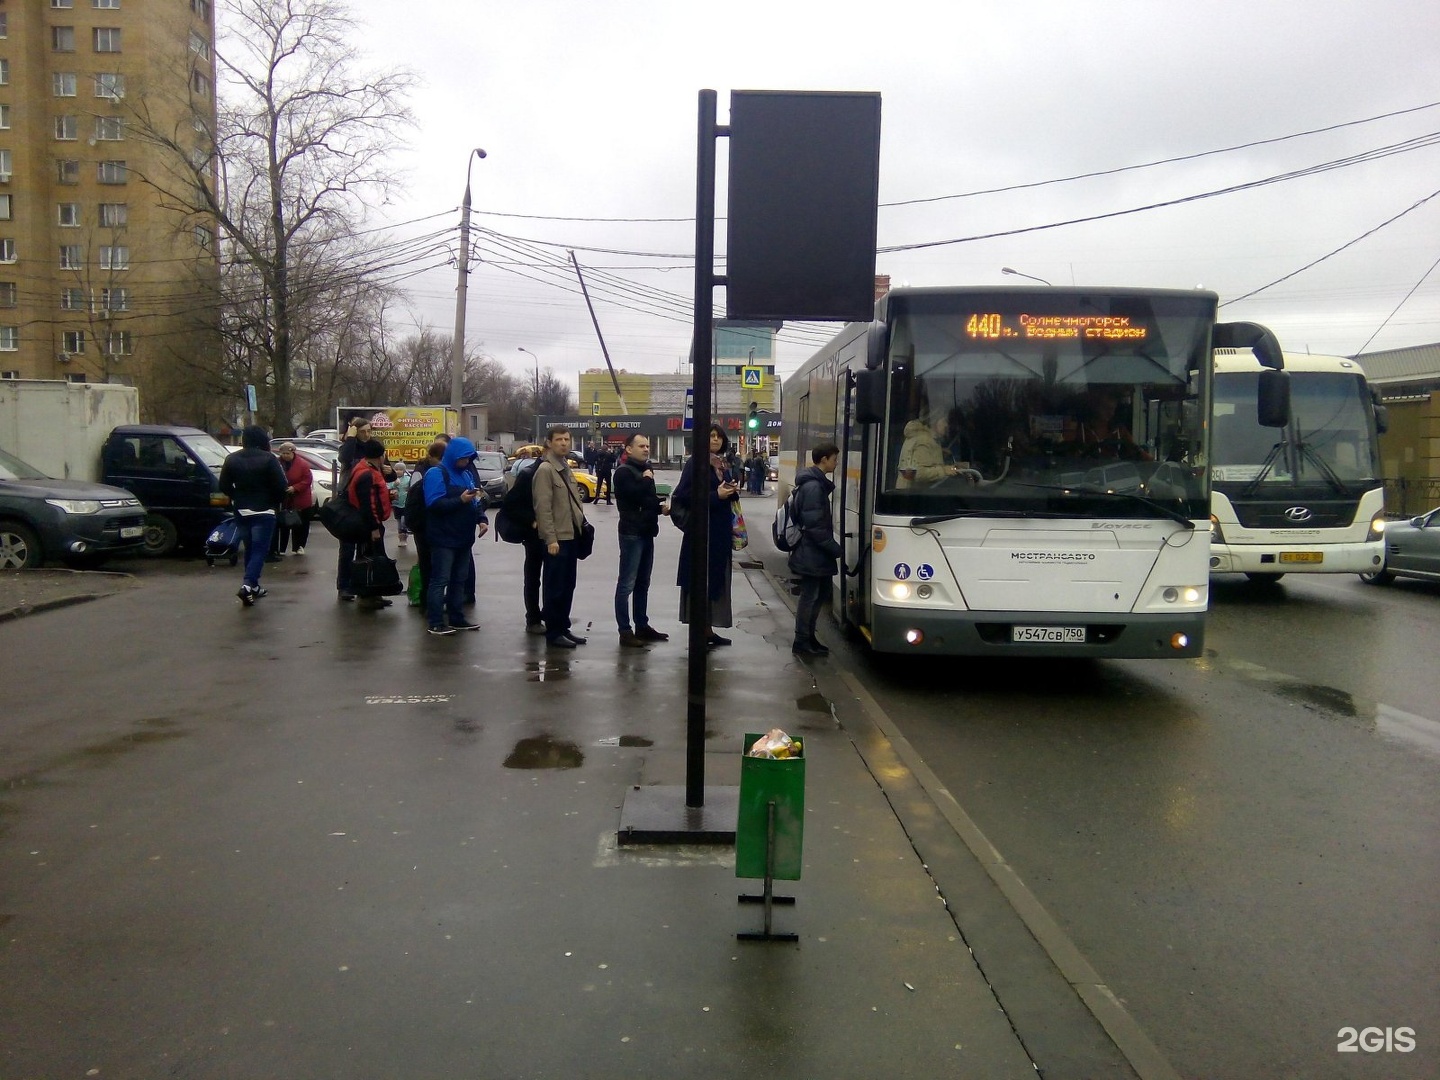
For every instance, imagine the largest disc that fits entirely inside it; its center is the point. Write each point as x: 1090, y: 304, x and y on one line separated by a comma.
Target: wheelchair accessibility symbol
x: 925, y: 571
x: 902, y: 571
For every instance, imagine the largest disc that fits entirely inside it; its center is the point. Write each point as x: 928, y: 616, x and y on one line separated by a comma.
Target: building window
x: 72, y: 256
x: 4, y: 166
x: 62, y: 38
x: 111, y: 172
x: 7, y: 207
x: 118, y: 343
x: 4, y: 72
x: 9, y: 294
x: 110, y: 85
x: 69, y: 215
x: 205, y: 238
x: 114, y: 299
x: 108, y: 5
x: 200, y: 83
x: 72, y: 341
x: 199, y: 46
x: 201, y: 8
x: 63, y: 83
x: 9, y: 338
x: 107, y: 39
x: 114, y: 215
x: 72, y: 299
x: 62, y: 5
x: 4, y: 117
x: 67, y: 128
x: 67, y: 171
x: 7, y: 250
x: 4, y: 25
x: 115, y: 258
x: 109, y: 129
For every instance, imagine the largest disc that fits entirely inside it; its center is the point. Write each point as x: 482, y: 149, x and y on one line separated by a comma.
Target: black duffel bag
x: 375, y: 575
x: 342, y: 520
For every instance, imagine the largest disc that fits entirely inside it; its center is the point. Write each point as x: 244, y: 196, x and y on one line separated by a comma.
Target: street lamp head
x: 479, y: 153
x: 1017, y: 273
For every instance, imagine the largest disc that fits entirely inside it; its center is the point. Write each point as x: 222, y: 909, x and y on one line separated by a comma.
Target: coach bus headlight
x: 1191, y: 594
x: 1217, y: 534
x: 900, y: 591
x: 1377, y: 528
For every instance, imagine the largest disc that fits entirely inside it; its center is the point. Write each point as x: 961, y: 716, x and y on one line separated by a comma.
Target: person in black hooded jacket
x: 255, y: 482
x: 816, y: 558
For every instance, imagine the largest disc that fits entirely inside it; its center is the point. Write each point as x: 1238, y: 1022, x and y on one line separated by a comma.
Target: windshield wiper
x: 1084, y: 489
x: 1265, y: 467
x: 1325, y: 469
x: 936, y: 519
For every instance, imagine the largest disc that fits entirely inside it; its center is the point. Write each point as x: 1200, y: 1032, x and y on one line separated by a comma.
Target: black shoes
x: 715, y: 641
x: 249, y: 594
x: 464, y: 626
x: 576, y: 638
x: 649, y: 633
x: 809, y: 648
x: 560, y: 643
x: 631, y: 641
x: 536, y: 627
x: 440, y: 631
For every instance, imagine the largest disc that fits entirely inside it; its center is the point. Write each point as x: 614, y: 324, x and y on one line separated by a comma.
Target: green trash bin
x: 763, y: 781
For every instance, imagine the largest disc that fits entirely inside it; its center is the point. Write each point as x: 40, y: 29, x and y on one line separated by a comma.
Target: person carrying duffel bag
x: 373, y: 574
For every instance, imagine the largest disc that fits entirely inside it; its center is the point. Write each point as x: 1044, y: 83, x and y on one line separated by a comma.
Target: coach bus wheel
x: 1264, y: 579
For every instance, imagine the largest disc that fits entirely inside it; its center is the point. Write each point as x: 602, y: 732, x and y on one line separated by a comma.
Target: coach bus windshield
x: 1330, y: 440
x: 1057, y: 403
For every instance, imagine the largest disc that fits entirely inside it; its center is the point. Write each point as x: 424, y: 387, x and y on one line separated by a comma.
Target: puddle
x: 813, y: 703
x: 544, y: 752
x: 546, y: 670
x: 1324, y: 697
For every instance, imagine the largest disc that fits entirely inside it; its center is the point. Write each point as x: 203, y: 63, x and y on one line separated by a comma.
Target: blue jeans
x: 255, y: 533
x: 449, y: 568
x: 557, y: 588
x: 637, y: 558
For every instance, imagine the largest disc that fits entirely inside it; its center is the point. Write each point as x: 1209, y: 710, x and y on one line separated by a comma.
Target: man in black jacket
x: 255, y: 482
x: 640, y: 512
x: 816, y: 558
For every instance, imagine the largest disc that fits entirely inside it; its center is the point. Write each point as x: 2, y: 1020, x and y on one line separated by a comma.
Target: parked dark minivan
x: 175, y: 472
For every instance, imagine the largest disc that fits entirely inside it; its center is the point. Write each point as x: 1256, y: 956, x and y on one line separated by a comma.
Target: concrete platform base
x: 658, y: 815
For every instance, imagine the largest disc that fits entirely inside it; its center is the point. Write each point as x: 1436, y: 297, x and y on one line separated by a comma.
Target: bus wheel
x: 1379, y: 577
x: 1264, y: 579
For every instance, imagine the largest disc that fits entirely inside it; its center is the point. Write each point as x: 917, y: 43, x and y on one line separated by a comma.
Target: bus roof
x: 1230, y: 360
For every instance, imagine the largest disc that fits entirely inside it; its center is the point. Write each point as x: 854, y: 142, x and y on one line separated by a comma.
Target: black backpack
x: 515, y: 522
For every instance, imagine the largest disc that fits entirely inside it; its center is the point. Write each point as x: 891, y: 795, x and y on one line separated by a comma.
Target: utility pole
x: 457, y: 354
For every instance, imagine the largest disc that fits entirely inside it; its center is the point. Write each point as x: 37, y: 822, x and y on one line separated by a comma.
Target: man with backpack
x: 815, y: 558
x: 560, y: 521
x: 516, y: 525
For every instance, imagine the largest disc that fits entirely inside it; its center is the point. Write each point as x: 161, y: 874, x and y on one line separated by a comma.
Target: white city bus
x: 1024, y: 470
x: 1306, y: 498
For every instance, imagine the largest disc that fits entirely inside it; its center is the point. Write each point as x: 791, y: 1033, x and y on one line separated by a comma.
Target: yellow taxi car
x: 583, y: 476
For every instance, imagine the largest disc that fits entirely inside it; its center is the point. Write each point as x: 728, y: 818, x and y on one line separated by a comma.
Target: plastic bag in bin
x: 775, y: 744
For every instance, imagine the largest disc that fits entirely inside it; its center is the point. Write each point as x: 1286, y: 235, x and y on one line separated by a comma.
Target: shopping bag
x: 375, y: 575
x: 416, y: 598
x: 739, y: 535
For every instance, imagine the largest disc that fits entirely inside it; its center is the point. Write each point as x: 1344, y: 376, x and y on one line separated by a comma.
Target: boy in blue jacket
x: 454, y: 511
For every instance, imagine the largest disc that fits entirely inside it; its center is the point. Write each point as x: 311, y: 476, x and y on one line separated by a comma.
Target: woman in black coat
x: 724, y: 496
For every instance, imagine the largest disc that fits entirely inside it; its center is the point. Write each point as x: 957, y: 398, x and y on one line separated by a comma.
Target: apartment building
x: 106, y: 109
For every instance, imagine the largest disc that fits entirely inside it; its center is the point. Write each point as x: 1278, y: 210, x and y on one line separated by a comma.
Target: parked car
x: 491, y: 465
x: 175, y: 473
x: 71, y: 521
x: 1412, y: 549
x: 329, y: 435
x: 322, y: 476
x: 313, y: 441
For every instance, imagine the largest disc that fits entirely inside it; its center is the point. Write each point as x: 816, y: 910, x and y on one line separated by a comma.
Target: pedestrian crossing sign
x: 752, y: 378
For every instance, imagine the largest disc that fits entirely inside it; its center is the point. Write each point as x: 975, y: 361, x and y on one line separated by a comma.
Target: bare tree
x: 301, y: 143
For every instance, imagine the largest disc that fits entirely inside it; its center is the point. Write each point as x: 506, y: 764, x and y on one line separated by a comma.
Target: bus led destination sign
x: 992, y: 326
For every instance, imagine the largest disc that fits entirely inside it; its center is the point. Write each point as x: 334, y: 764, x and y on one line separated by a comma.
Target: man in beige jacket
x: 560, y: 520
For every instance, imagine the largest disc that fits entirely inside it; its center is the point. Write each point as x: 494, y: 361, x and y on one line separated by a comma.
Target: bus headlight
x: 1182, y: 594
x: 1377, y: 528
x: 900, y: 591
x: 1217, y: 534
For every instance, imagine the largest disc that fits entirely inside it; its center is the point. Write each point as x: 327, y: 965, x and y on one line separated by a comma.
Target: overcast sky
x: 587, y: 110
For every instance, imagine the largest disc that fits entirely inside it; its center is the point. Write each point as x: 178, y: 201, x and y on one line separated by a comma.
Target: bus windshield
x: 1329, y: 441
x: 1064, y: 403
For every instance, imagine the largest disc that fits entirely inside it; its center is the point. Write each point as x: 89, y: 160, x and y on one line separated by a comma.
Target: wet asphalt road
x: 1246, y: 847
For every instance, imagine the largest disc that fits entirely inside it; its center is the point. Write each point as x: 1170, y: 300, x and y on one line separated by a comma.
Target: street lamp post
x: 457, y: 354
x: 1017, y: 273
x: 527, y: 352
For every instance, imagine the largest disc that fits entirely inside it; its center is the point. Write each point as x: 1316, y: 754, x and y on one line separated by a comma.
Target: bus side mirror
x: 869, y: 397
x: 877, y: 344
x: 1246, y: 335
x: 1272, y: 401
x: 1382, y: 419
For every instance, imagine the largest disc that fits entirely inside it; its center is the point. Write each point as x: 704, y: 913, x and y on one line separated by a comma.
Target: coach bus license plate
x: 1302, y: 556
x: 1062, y: 635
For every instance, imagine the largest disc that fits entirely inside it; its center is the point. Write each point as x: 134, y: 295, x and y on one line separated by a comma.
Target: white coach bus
x: 1024, y: 470
x: 1306, y: 498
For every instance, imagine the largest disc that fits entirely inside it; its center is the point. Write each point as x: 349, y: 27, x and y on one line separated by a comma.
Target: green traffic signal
x: 753, y: 422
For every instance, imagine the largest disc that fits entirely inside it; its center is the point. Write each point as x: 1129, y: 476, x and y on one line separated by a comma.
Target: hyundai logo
x: 1298, y: 513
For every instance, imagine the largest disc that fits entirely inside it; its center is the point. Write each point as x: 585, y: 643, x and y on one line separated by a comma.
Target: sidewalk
x: 361, y: 851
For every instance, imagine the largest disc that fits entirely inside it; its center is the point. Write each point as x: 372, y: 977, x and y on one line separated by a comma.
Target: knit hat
x: 255, y: 438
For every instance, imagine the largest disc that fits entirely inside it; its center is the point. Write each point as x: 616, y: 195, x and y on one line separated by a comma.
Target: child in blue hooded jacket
x: 454, y: 516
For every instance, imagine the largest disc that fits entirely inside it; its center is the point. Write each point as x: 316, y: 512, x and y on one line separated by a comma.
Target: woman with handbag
x: 370, y: 494
x: 724, y: 496
x: 299, y: 502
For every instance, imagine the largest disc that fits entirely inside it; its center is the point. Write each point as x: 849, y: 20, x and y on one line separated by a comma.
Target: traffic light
x: 753, y: 422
